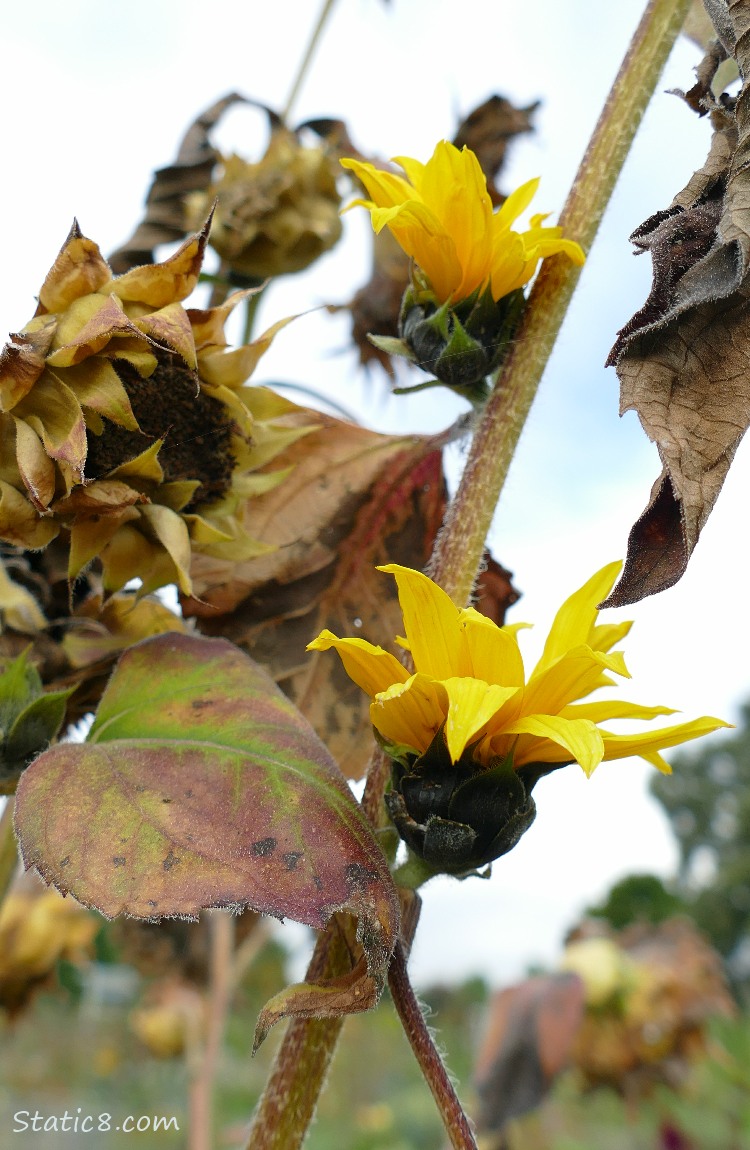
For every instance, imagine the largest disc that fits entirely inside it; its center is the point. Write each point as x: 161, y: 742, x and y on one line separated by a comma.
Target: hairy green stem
x: 460, y: 548
x: 300, y: 1067
x: 455, y: 1121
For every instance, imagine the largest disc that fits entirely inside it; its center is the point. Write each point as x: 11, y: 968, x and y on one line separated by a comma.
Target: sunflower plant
x: 136, y: 456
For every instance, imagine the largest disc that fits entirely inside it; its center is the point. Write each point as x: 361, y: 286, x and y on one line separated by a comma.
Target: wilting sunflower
x: 278, y: 215
x: 124, y: 420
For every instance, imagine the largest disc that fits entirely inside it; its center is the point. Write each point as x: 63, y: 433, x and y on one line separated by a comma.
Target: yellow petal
x: 35, y: 466
x: 90, y: 537
x: 53, y: 411
x: 574, y: 621
x: 370, y: 667
x: 169, y: 282
x: 472, y: 705
x: 423, y: 237
x: 86, y: 327
x: 431, y: 620
x: 572, y: 677
x: 604, y: 636
x: 171, y: 326
x: 648, y: 742
x: 20, y: 524
x: 171, y: 531
x: 578, y: 739
x: 78, y: 270
x: 22, y: 362
x: 97, y: 385
x: 493, y: 652
x: 410, y: 713
x: 144, y: 467
x: 386, y: 188
x: 516, y: 204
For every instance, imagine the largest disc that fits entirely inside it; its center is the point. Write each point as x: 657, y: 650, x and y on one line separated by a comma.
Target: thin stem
x: 307, y: 58
x: 221, y: 931
x: 404, y: 999
x: 251, y: 310
x: 461, y: 545
x: 8, y: 850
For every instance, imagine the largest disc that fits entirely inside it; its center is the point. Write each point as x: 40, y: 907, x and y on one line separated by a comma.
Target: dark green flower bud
x: 460, y: 344
x: 460, y: 816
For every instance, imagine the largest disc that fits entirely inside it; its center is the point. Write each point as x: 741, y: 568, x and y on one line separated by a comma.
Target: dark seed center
x: 196, y: 430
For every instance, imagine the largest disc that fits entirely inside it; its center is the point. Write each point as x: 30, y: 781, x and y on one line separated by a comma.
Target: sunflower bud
x: 460, y: 816
x: 278, y: 215
x: 462, y: 344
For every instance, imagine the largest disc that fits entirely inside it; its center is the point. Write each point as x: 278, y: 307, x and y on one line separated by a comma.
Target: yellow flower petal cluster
x: 124, y: 420
x: 442, y: 216
x: 469, y: 681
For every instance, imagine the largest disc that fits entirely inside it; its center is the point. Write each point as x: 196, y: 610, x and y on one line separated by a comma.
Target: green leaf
x: 200, y: 786
x: 29, y: 718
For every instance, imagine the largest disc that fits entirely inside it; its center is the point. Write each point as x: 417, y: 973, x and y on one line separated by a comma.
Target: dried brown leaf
x: 354, y: 499
x: 191, y: 171
x: 488, y: 131
x: 684, y: 358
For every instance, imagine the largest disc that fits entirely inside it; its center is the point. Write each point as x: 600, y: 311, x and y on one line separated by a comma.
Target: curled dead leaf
x: 684, y: 358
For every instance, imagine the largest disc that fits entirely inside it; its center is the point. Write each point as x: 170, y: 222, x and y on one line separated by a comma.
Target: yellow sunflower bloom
x: 468, y: 730
x: 441, y: 214
x: 125, y: 422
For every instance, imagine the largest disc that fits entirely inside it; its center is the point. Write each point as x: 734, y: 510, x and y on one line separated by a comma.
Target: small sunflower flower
x: 470, y: 734
x: 125, y: 423
x: 470, y: 262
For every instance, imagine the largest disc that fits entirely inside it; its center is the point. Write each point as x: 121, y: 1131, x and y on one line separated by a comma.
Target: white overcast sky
x: 93, y: 96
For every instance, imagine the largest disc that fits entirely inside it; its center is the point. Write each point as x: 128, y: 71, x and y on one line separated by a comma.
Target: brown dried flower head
x: 125, y: 423
x: 277, y: 215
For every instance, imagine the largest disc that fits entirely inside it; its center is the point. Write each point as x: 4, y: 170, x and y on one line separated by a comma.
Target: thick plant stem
x: 300, y: 1067
x: 455, y: 1121
x: 461, y: 545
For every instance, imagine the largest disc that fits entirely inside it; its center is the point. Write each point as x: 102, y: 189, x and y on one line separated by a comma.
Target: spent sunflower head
x: 278, y: 215
x: 471, y: 734
x: 470, y: 262
x: 125, y: 423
